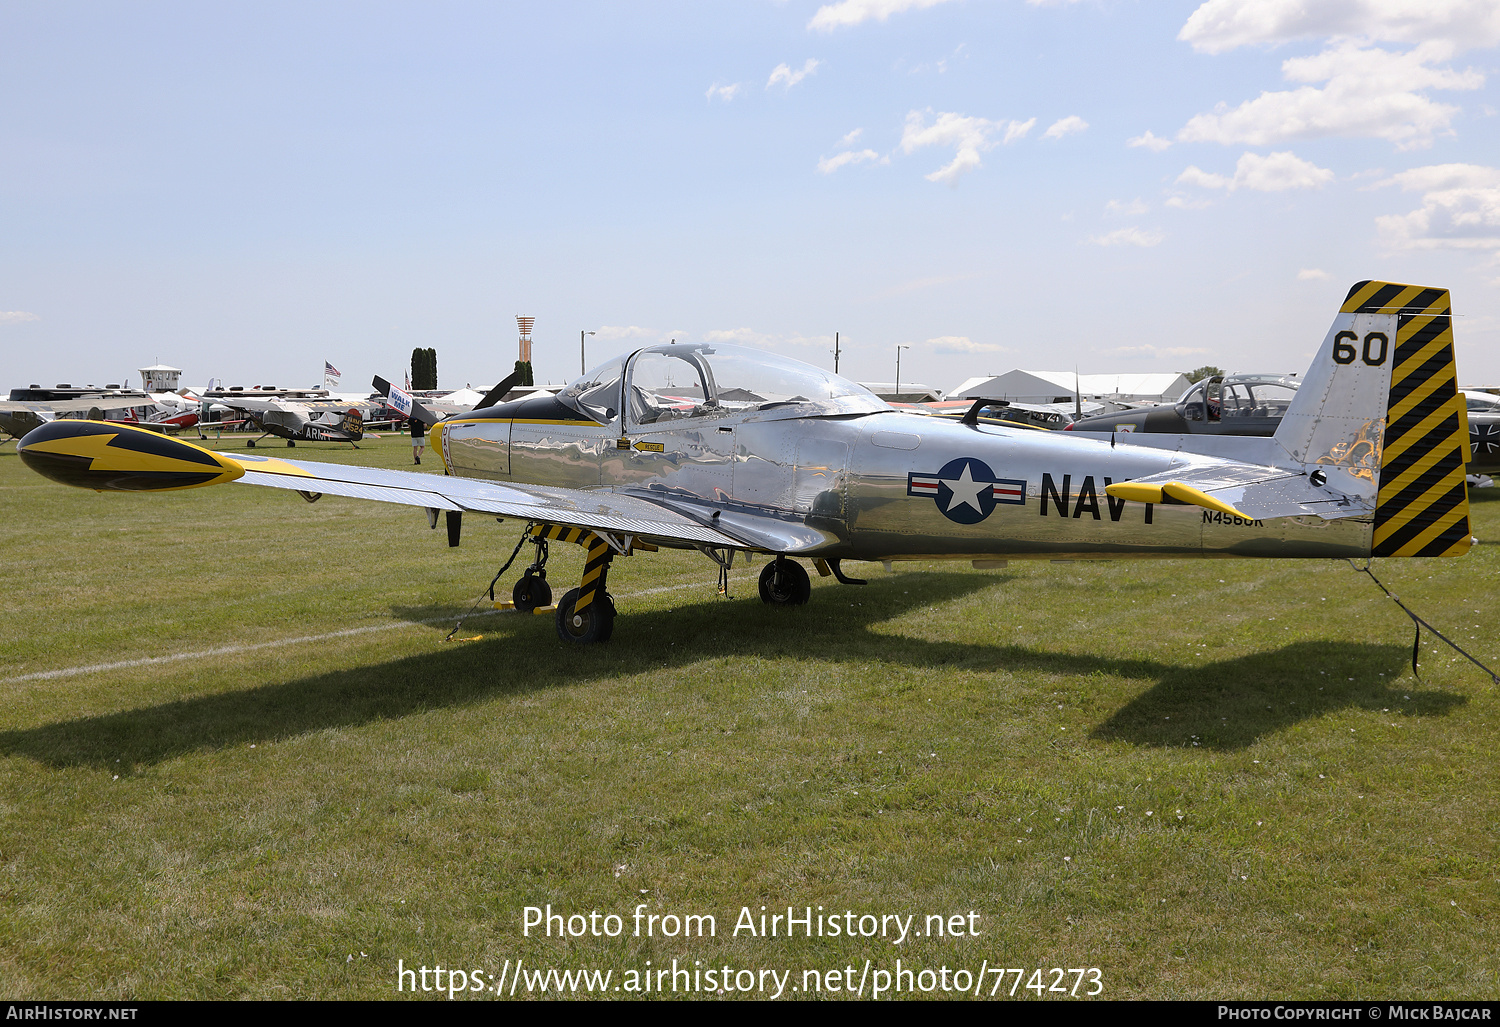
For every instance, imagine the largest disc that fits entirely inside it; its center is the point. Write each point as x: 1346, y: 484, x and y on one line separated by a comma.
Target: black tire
x: 531, y: 592
x: 249, y: 443
x: 291, y: 443
x: 784, y: 583
x: 595, y: 624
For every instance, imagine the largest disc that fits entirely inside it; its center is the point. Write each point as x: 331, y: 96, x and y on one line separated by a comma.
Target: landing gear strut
x: 532, y: 590
x: 587, y: 613
x: 783, y: 582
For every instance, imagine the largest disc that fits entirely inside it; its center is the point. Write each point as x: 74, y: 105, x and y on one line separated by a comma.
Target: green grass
x: 1210, y: 779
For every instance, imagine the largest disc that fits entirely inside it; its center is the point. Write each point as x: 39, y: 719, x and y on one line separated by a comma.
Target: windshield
x: 669, y: 383
x: 1257, y: 399
x: 597, y: 394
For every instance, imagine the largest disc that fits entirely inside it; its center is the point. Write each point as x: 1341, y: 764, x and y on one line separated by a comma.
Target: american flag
x: 329, y: 371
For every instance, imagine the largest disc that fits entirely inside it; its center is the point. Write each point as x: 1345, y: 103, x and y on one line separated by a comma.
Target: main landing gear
x: 585, y: 613
x: 783, y: 582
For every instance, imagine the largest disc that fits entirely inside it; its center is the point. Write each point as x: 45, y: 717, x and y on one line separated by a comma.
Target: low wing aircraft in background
x: 729, y: 451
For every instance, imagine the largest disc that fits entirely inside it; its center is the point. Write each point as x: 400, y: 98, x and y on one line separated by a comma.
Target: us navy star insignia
x: 966, y: 490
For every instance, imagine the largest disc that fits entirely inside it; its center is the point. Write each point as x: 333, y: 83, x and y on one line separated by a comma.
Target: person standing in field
x: 418, y: 439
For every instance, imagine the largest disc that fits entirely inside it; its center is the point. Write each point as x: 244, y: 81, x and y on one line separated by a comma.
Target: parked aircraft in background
x: 732, y: 451
x: 1237, y: 404
x: 17, y: 417
x: 295, y: 417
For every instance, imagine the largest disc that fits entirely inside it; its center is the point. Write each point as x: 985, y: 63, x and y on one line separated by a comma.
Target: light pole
x: 583, y: 363
x: 898, y: 371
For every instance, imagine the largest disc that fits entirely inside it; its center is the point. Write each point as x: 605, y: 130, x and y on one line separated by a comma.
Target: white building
x: 160, y: 378
x: 1057, y: 387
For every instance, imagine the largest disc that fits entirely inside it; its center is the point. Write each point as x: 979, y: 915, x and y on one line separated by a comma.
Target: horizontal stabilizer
x: 1242, y: 490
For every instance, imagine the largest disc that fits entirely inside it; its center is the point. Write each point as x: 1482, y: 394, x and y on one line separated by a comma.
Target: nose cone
x: 95, y: 455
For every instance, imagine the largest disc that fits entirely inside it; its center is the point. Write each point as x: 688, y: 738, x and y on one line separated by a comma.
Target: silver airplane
x: 730, y: 451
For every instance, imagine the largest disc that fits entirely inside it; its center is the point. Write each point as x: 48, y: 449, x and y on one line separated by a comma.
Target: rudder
x: 1422, y: 505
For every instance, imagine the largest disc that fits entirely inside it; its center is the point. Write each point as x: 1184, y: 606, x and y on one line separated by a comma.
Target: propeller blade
x: 497, y: 394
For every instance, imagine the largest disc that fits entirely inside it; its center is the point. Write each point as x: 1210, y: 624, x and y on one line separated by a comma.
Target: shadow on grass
x: 1222, y: 705
x: 1232, y: 703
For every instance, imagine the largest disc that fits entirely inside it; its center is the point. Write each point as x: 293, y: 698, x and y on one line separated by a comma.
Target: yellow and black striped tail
x: 1422, y: 507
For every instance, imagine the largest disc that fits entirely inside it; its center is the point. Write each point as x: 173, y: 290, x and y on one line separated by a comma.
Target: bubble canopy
x: 701, y: 380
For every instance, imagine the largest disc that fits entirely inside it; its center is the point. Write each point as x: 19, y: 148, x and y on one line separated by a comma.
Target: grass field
x: 1208, y: 779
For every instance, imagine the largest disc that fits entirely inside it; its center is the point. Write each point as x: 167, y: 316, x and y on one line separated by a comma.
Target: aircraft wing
x: 1243, y: 490
x: 602, y: 510
x: 75, y: 406
x: 259, y: 406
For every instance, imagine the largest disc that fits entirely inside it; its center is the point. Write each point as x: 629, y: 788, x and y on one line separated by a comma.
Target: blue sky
x: 246, y: 191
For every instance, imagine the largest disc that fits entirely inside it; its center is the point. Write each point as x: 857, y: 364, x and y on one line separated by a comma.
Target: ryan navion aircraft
x: 727, y: 450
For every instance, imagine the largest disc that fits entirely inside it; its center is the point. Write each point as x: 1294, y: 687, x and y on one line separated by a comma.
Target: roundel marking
x: 965, y: 490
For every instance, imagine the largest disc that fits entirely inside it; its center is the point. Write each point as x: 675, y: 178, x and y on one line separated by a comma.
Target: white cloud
x: 784, y: 75
x: 1128, y: 237
x: 1221, y: 25
x: 742, y: 336
x: 1369, y: 92
x: 849, y: 139
x: 1460, y: 209
x: 1118, y: 208
x: 848, y: 13
x: 1273, y: 173
x: 968, y: 136
x: 1018, y: 129
x: 10, y: 317
x: 1065, y: 126
x: 1154, y: 143
x: 1194, y: 175
x: 963, y: 344
x: 626, y: 332
x: 725, y: 93
x: 1312, y: 274
x: 828, y: 165
x: 765, y: 340
x: 1183, y: 202
x: 1160, y: 351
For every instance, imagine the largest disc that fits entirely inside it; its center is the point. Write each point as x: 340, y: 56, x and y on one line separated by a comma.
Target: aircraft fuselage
x: 881, y: 486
